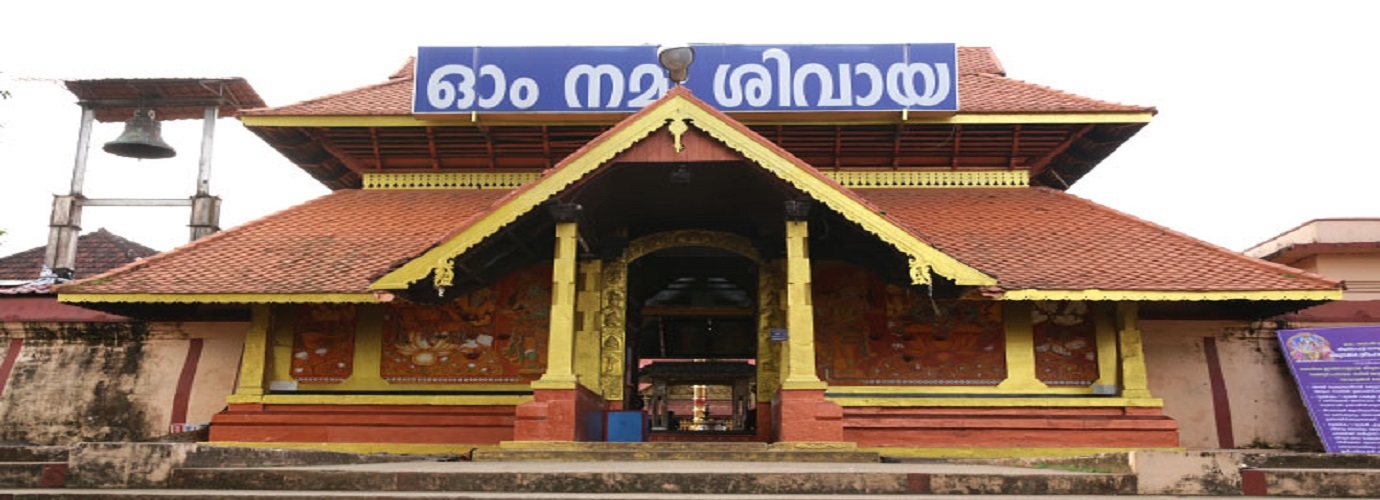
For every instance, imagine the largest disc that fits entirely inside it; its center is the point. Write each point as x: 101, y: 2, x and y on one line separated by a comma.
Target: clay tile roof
x: 982, y: 88
x: 989, y: 93
x: 1040, y: 238
x: 390, y: 98
x: 406, y: 70
x: 97, y: 252
x: 338, y: 243
x: 979, y: 60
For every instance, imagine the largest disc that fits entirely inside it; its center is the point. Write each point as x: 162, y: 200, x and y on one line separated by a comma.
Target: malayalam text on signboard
x: 918, y: 77
x: 1338, y: 374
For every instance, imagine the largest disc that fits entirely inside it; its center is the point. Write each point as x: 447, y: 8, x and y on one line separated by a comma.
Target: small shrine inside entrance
x: 693, y: 341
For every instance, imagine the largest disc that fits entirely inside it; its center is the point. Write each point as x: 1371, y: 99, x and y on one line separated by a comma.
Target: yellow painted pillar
x: 1020, y: 348
x: 280, y: 336
x: 560, y: 372
x: 368, y: 360
x: 252, y: 363
x: 1135, y: 383
x: 1107, y: 377
x: 587, y: 335
x: 798, y: 363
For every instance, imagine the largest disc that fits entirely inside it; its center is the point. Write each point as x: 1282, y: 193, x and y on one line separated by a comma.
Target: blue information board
x: 1338, y: 373
x: 919, y: 77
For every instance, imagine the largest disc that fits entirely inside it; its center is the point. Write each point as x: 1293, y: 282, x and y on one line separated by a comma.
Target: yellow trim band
x: 924, y: 258
x: 1165, y: 295
x: 378, y: 399
x: 220, y: 298
x: 909, y: 452
x: 449, y: 180
x: 995, y: 402
x: 748, y: 118
x: 443, y: 255
x: 921, y: 390
x: 911, y: 179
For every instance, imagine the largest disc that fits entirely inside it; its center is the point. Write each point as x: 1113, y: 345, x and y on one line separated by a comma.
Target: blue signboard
x: 1338, y: 373
x: 918, y: 77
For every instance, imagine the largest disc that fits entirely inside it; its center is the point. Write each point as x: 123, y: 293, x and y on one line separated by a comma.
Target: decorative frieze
x: 929, y: 178
x: 449, y: 180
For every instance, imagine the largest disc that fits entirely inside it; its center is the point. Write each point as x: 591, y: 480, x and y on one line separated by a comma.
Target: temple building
x: 895, y: 279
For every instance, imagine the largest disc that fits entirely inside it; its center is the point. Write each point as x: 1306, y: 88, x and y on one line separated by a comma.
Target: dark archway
x: 693, y: 342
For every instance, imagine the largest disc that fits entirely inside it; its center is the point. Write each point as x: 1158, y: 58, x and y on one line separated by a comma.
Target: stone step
x: 33, y: 453
x: 701, y: 451
x: 33, y: 474
x: 612, y: 455
x: 1335, y: 483
x: 663, y: 445
x: 722, y: 478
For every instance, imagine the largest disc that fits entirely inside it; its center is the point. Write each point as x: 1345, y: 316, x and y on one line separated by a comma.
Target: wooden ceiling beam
x: 488, y: 145
x: 1041, y: 164
x: 546, y: 145
x: 431, y: 146
x: 958, y: 137
x: 896, y: 136
x: 326, y: 144
x: 374, y: 143
x: 1015, y: 147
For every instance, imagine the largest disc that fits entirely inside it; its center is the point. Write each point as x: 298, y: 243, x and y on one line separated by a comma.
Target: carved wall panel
x: 493, y: 335
x: 323, y: 343
x: 868, y: 332
x: 1065, y: 342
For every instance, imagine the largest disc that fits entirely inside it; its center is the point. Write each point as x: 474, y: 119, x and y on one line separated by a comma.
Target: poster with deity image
x: 1338, y: 375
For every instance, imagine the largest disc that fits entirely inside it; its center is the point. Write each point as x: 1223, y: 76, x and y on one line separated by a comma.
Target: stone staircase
x: 588, y: 471
x: 706, y: 452
x: 33, y: 466
x: 661, y: 477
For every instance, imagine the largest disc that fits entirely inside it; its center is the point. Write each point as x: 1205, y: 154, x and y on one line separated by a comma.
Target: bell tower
x: 141, y: 104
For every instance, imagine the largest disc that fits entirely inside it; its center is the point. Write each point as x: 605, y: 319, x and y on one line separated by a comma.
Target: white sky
x: 1267, y: 109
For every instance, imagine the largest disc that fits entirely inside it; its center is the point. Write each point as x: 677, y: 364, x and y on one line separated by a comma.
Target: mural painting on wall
x: 323, y: 343
x: 869, y: 332
x: 492, y: 335
x: 1065, y: 342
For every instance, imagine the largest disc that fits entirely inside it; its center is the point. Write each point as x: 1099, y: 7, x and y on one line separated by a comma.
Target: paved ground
x: 673, y: 466
x: 39, y: 494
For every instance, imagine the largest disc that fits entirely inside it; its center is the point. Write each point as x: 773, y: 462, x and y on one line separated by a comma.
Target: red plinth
x: 1115, y: 427
x: 804, y: 415
x: 488, y: 424
x: 561, y: 415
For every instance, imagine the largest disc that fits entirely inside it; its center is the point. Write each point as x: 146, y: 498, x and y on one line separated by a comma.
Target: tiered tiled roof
x: 338, y: 243
x: 97, y: 252
x: 982, y: 88
x: 1040, y: 238
x: 1027, y: 238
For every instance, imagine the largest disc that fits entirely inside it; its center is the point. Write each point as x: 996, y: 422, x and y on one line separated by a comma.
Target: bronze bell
x: 141, y: 138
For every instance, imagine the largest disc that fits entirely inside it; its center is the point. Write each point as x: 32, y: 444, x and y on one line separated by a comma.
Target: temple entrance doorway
x: 692, y: 344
